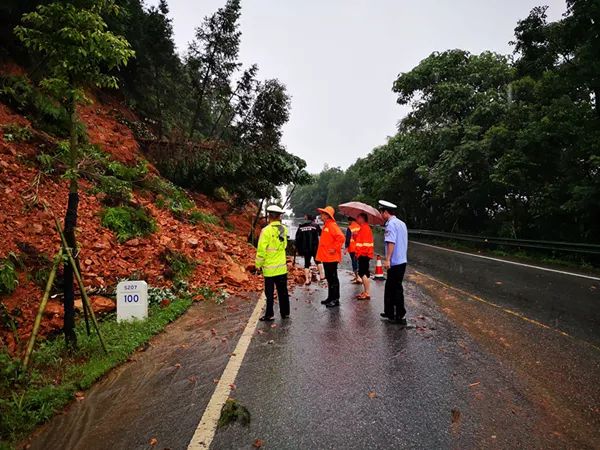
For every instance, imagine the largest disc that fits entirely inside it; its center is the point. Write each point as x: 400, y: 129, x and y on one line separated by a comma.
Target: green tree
x: 77, y: 49
x: 155, y: 83
x: 211, y: 60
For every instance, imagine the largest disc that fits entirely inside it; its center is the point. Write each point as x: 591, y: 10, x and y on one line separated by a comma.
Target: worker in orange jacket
x: 365, y: 251
x: 329, y: 253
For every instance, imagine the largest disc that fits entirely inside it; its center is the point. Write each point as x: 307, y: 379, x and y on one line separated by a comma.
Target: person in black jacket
x: 307, y: 241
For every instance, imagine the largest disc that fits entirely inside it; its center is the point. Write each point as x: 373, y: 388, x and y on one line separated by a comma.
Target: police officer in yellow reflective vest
x: 271, y: 258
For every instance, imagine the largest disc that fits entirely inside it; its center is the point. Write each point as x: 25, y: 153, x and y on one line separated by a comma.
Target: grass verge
x: 55, y: 376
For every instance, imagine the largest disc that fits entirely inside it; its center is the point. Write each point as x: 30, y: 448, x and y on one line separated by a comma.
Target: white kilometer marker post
x: 132, y: 300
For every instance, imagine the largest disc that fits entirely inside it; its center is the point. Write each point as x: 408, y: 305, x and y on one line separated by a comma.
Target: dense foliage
x: 496, y: 145
x: 219, y: 126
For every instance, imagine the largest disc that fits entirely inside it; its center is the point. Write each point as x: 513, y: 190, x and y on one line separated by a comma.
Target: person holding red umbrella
x: 329, y: 254
x: 365, y: 251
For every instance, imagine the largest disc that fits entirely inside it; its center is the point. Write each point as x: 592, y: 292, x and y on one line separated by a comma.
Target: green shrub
x: 169, y: 196
x: 8, y: 277
x: 116, y: 192
x: 222, y: 194
x: 10, y: 370
x: 127, y: 173
x: 44, y: 113
x: 128, y: 222
x: 197, y: 216
x: 156, y: 295
x: 179, y: 266
x: 13, y: 132
x: 46, y: 162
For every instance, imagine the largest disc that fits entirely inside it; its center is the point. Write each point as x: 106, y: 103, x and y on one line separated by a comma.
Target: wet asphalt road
x: 566, y: 302
x: 465, y: 374
x: 343, y: 379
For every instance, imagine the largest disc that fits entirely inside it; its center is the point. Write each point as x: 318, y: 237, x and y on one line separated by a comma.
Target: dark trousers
x: 333, y: 282
x: 393, y: 297
x: 279, y: 281
x: 354, y: 260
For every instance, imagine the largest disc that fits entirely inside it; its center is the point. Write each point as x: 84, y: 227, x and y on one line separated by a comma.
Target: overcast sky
x: 339, y: 58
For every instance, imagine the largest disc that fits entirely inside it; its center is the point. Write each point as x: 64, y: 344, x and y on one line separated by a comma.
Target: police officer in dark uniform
x: 307, y: 242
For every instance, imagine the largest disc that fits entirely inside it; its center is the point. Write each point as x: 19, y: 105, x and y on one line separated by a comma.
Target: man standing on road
x: 329, y: 254
x: 364, y: 254
x: 307, y: 242
x: 396, y: 245
x: 271, y: 258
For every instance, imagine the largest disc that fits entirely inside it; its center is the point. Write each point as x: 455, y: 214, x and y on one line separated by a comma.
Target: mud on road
x: 160, y: 394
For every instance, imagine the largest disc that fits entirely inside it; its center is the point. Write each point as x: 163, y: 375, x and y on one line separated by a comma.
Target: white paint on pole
x: 132, y: 300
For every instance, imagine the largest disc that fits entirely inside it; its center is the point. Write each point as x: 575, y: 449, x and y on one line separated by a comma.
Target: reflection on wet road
x: 344, y: 379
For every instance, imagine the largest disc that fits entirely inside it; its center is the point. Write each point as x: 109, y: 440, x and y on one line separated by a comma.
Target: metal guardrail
x: 570, y: 247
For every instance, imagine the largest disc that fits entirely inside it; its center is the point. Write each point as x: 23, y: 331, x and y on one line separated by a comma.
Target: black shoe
x: 285, y: 316
x: 266, y: 319
x: 384, y: 316
x: 324, y: 302
x: 332, y: 304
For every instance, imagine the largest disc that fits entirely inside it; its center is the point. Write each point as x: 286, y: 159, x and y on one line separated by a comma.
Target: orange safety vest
x: 364, y: 242
x: 354, y: 227
x: 331, y: 242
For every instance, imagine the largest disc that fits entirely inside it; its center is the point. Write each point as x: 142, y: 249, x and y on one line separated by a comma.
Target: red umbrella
x: 352, y: 209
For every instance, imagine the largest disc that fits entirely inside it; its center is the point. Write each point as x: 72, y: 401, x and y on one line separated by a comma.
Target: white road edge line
x: 205, y: 431
x: 589, y: 277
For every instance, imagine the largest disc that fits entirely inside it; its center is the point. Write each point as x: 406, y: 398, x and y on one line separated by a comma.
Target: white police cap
x: 386, y: 204
x: 275, y: 209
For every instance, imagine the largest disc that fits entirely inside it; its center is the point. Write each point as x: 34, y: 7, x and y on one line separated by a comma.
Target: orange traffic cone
x: 379, y: 269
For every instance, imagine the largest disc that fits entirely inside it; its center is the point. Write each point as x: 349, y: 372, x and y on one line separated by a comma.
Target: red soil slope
x: 222, y: 256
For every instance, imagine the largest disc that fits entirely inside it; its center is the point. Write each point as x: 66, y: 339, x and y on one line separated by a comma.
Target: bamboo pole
x: 38, y: 317
x: 84, y: 307
x: 84, y: 295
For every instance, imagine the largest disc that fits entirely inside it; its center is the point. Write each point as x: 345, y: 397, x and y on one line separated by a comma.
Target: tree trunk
x: 200, y: 100
x: 242, y: 123
x: 70, y: 224
x: 228, y: 103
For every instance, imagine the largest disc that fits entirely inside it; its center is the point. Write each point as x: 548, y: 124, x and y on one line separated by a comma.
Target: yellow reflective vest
x: 270, y: 253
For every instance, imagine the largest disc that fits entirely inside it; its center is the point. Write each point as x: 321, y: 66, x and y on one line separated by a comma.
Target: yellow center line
x: 206, y: 429
x: 506, y: 310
